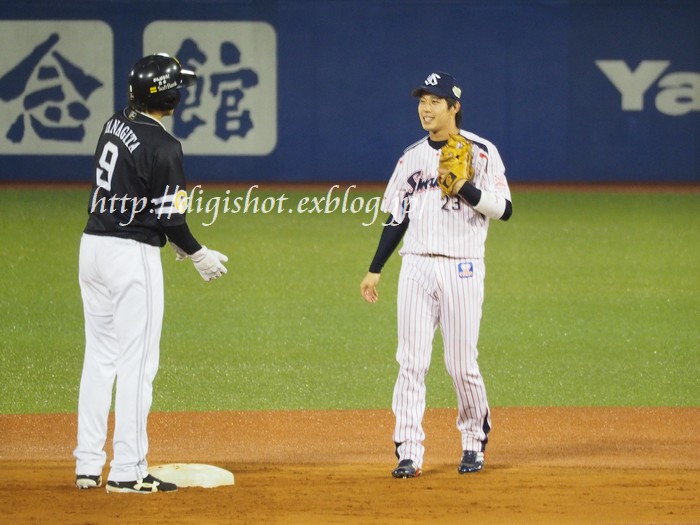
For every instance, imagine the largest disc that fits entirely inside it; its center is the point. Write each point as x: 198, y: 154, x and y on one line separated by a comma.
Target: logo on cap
x: 432, y: 79
x: 440, y: 84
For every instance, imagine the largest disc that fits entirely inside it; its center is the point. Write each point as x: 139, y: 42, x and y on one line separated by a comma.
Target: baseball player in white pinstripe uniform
x: 441, y: 282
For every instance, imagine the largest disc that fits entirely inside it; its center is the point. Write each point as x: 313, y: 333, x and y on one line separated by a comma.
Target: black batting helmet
x: 154, y: 82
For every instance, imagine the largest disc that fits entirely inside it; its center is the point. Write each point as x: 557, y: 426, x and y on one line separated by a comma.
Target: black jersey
x: 139, y: 184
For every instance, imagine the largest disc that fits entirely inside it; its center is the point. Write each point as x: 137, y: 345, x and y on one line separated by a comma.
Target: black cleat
x: 406, y: 469
x: 471, y: 462
x: 83, y: 481
x: 147, y: 485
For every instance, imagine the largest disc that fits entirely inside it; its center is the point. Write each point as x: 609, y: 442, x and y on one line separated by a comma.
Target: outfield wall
x: 315, y: 91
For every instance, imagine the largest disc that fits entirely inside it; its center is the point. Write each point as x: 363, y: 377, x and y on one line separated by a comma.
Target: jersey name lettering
x: 418, y: 184
x: 121, y: 130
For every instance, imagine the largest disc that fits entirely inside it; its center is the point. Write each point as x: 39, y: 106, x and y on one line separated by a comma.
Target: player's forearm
x: 487, y: 203
x: 392, y: 233
x: 182, y: 236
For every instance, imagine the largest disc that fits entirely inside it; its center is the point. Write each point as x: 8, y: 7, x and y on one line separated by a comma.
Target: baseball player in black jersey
x: 138, y: 202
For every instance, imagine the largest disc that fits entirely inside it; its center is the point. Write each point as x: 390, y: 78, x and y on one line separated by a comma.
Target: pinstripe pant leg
x: 417, y: 321
x: 461, y: 299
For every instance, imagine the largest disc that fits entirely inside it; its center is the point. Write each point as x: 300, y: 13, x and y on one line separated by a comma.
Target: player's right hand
x: 209, y: 263
x: 368, y: 287
x: 180, y: 254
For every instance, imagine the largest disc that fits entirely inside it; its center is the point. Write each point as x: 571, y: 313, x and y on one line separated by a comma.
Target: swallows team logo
x: 417, y: 183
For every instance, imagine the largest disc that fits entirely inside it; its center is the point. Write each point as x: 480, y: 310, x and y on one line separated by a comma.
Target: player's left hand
x: 456, y: 185
x: 455, y: 164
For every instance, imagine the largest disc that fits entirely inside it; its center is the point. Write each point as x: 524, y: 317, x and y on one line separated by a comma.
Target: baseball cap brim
x: 432, y: 90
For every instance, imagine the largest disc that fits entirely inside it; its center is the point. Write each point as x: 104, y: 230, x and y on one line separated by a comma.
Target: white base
x: 193, y: 475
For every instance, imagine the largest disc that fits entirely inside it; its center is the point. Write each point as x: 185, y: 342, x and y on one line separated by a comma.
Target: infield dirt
x: 543, y: 465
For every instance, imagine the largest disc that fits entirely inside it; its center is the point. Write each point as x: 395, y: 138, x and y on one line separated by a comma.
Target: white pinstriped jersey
x: 446, y: 226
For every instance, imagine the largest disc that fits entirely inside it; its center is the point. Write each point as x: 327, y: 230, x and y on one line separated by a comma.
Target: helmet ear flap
x: 171, y: 99
x: 165, y: 101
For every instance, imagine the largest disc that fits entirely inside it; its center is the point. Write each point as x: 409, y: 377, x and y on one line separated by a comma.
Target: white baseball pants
x: 121, y: 283
x: 435, y: 290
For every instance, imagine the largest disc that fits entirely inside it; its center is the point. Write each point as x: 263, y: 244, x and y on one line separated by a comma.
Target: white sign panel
x: 232, y: 110
x: 56, y: 85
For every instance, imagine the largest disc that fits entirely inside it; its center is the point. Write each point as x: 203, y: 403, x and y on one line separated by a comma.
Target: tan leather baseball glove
x: 455, y: 164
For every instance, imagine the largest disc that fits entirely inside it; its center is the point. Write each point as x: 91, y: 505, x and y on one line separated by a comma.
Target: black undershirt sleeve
x: 472, y: 195
x: 181, y: 235
x: 508, y: 211
x: 392, y: 233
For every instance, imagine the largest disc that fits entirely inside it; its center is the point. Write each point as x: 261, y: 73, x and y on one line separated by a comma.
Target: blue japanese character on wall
x: 48, y: 110
x: 190, y: 56
x: 227, y: 86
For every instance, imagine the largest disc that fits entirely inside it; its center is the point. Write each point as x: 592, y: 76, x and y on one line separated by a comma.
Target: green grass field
x: 591, y: 299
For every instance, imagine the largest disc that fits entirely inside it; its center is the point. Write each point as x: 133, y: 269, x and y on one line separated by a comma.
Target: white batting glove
x: 180, y: 254
x: 208, y: 263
